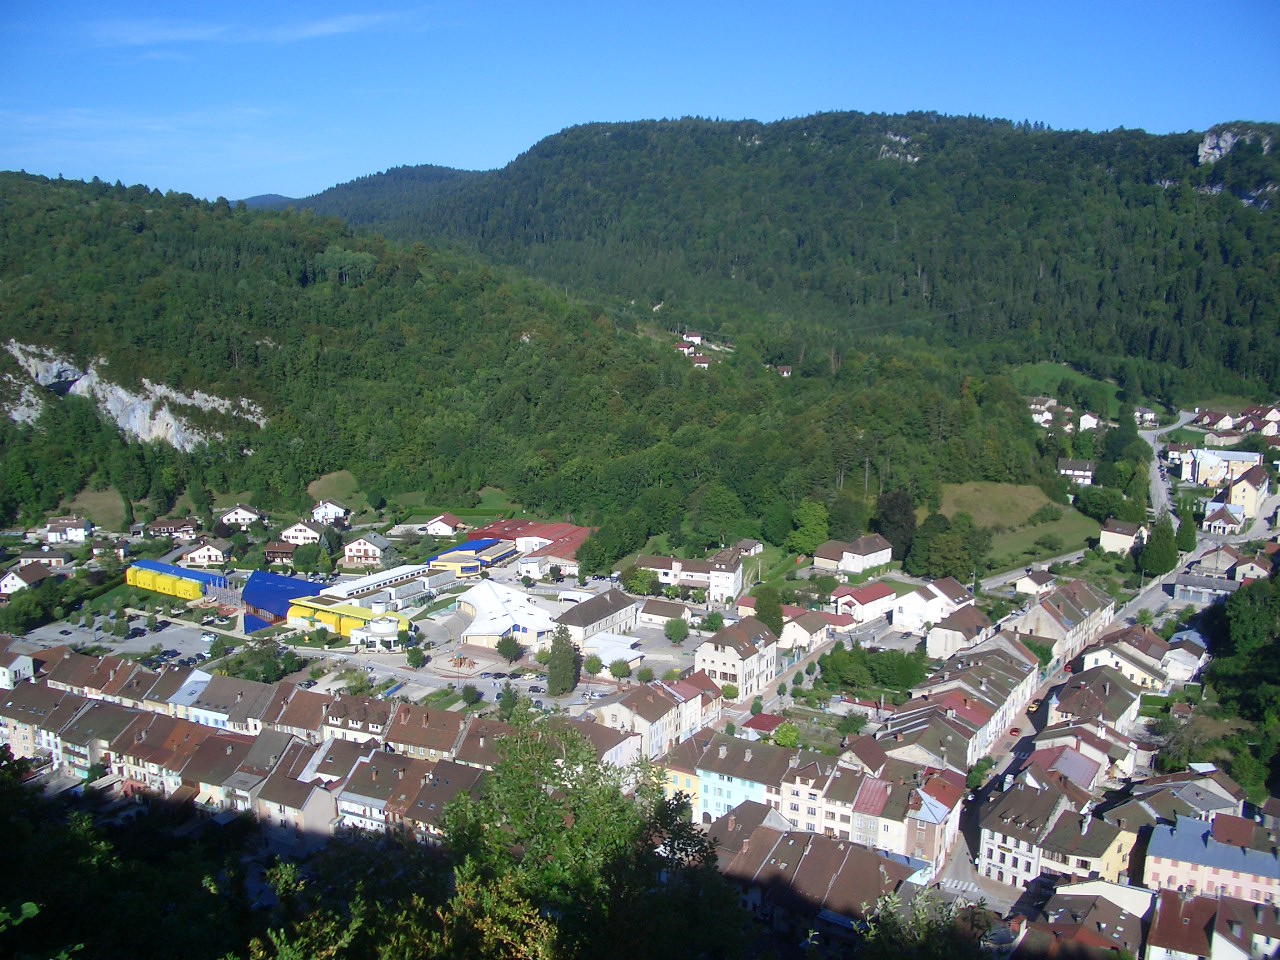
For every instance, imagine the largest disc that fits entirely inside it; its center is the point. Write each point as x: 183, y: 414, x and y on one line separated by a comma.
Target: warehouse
x: 172, y: 581
x: 329, y: 613
x: 468, y: 559
x: 267, y: 597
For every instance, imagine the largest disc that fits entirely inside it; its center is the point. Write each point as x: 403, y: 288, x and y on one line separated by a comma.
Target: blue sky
x: 235, y: 99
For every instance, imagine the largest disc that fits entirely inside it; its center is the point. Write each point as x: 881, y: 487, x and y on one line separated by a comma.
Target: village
x: 1019, y: 773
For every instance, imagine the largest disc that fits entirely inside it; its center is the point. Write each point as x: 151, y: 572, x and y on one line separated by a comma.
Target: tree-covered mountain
x: 423, y: 370
x: 1149, y: 258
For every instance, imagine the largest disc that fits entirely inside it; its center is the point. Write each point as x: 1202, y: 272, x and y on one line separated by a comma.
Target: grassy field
x: 898, y: 587
x: 1018, y: 547
x: 1184, y: 435
x: 104, y: 507
x: 1043, y: 378
x: 343, y: 487
x: 991, y: 504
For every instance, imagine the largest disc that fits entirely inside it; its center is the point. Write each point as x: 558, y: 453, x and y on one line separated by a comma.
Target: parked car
x: 1015, y: 731
x: 64, y: 633
x: 536, y: 689
x: 208, y: 637
x: 1035, y: 705
x: 307, y: 684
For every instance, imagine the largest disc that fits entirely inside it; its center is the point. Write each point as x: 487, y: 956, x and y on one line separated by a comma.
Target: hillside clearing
x: 104, y: 507
x: 1043, y: 378
x: 992, y: 504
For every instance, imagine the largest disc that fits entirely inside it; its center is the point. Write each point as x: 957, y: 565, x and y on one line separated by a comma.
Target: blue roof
x: 471, y: 546
x: 1191, y: 841
x: 273, y: 592
x: 199, y: 576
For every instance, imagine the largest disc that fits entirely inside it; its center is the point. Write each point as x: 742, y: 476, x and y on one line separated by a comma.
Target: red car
x: 1015, y: 731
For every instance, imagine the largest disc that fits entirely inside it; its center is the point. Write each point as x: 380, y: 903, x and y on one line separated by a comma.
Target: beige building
x: 744, y: 654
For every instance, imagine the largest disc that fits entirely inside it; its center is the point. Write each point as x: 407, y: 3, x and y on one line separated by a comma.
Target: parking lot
x: 182, y: 637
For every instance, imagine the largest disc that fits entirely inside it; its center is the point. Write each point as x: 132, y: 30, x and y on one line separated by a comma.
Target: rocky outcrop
x: 146, y: 415
x: 1218, y: 143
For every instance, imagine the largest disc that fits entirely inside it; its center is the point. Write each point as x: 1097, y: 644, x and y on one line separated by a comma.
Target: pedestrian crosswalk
x: 960, y: 886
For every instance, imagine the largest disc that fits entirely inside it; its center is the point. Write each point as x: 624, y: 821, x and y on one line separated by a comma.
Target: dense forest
x: 1119, y: 252
x: 425, y: 370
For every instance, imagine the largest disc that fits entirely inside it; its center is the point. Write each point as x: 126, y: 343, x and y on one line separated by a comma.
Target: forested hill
x: 427, y: 371
x: 1025, y: 242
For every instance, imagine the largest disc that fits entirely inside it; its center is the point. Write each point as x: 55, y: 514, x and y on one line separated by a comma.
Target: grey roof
x: 598, y: 608
x: 1191, y: 841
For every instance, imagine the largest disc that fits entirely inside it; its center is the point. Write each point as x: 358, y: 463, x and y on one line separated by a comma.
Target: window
x: 811, y: 811
x: 795, y: 807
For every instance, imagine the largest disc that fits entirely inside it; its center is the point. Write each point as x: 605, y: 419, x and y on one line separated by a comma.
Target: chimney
x: 723, y: 751
x: 373, y: 772
x: 1106, y: 688
x: 239, y: 695
x: 228, y: 749
x: 746, y: 757
x: 733, y: 823
x: 399, y: 773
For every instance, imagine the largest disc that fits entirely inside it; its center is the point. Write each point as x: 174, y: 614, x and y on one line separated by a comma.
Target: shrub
x: 730, y: 691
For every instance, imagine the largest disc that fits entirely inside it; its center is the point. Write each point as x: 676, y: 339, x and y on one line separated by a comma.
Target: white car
x: 208, y: 637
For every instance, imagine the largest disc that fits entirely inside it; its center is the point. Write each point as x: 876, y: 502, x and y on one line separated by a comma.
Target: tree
x: 508, y: 700
x: 1160, y: 555
x: 769, y: 608
x: 787, y: 735
x: 718, y: 513
x: 676, y: 630
x: 713, y: 621
x: 509, y: 648
x: 810, y: 528
x: 757, y: 706
x: 645, y: 674
x: 471, y: 695
x: 593, y: 664
x: 730, y: 691
x: 620, y: 669
x: 1186, y: 536
x: 416, y: 658
x: 562, y: 663
x: 896, y: 521
x: 1146, y: 617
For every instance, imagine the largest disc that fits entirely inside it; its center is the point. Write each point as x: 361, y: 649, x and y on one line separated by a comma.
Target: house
x: 86, y: 740
x: 612, y: 611
x: 559, y: 551
x: 1089, y: 421
x: 425, y: 733
x: 32, y: 717
x: 804, y: 633
x: 277, y: 552
x: 744, y: 654
x: 367, y: 550
x: 1213, y: 468
x: 1217, y: 858
x: 1137, y: 653
x: 1250, y: 490
x: 1251, y: 568
x: 964, y: 628
x: 1076, y: 471
x: 1120, y: 537
x: 71, y: 529
x: 303, y: 532
x: 1014, y: 826
x: 1034, y: 582
x: 656, y: 613
x: 15, y: 667
x: 929, y: 604
x: 700, y: 362
x: 1223, y: 520
x: 1071, y: 615
x: 292, y: 811
x: 331, y: 513
x: 358, y: 719
x: 53, y: 559
x: 720, y: 576
x: 1145, y: 417
x: 1214, y: 420
x: 20, y: 578
x: 662, y: 714
x: 229, y: 703
x: 866, y: 553
x: 212, y: 553
x: 807, y: 883
x: 1100, y: 693
x: 1084, y: 847
x: 864, y: 603
x: 242, y: 517
x: 422, y: 815
x: 180, y: 529
x: 1089, y: 920
x: 444, y: 525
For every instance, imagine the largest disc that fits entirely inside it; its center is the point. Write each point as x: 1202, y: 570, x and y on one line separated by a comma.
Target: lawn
x: 494, y: 503
x: 992, y: 504
x: 342, y: 486
x: 104, y: 507
x: 1184, y: 435
x: 898, y: 587
x: 1043, y: 378
x: 1017, y: 548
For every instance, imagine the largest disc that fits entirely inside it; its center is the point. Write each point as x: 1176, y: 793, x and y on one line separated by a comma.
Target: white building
x: 744, y: 654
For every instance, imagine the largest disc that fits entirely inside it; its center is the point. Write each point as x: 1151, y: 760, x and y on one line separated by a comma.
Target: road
x: 1159, y: 484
